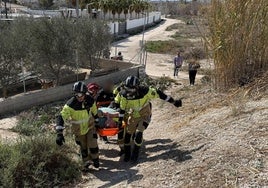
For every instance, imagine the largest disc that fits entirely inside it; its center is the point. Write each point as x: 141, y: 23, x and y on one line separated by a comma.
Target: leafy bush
x: 37, y: 162
x: 28, y: 124
x: 169, y: 47
x: 37, y: 120
x: 161, y: 83
x: 172, y: 27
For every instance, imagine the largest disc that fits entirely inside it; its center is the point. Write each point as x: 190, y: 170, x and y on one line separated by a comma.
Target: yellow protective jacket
x: 135, y: 103
x: 79, y: 114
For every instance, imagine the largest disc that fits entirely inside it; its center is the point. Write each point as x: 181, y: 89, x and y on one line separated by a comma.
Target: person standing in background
x: 192, y: 68
x: 178, y: 60
x: 120, y: 56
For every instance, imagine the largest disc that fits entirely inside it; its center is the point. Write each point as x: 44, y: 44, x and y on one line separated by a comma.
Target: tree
x: 92, y: 37
x: 131, y: 8
x: 14, y: 49
x: 104, y: 5
x: 119, y: 7
x: 113, y: 7
x: 125, y: 6
x: 52, y: 47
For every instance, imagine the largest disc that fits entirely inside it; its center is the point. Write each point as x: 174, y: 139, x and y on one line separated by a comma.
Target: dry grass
x: 258, y: 88
x: 232, y: 126
x: 239, y: 37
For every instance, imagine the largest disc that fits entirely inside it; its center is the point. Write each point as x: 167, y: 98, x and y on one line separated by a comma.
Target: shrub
x: 161, y: 83
x: 172, y: 27
x: 169, y: 47
x: 28, y: 124
x: 37, y: 120
x: 37, y: 162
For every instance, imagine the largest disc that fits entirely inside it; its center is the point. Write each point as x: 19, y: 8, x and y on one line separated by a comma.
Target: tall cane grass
x: 239, y: 39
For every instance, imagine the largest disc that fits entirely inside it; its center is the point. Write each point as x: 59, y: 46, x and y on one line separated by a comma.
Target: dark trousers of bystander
x: 176, y: 71
x: 192, y: 75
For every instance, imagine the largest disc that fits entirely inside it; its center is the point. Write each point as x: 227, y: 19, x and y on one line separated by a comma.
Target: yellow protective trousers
x: 88, y: 145
x: 137, y: 123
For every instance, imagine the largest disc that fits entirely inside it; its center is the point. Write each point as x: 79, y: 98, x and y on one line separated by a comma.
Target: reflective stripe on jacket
x: 135, y: 105
x: 79, y: 117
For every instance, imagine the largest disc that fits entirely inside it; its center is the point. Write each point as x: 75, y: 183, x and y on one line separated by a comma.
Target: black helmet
x: 132, y: 81
x: 79, y: 87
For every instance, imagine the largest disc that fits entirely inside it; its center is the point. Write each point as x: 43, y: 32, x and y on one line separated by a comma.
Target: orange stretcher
x: 108, y: 131
x: 109, y: 121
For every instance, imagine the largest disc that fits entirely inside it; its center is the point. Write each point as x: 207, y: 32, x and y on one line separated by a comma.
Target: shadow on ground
x: 114, y: 172
x: 164, y: 149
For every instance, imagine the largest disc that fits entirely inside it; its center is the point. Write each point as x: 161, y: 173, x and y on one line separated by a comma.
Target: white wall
x: 52, y: 13
x: 131, y: 23
x: 113, y: 27
x: 135, y: 23
x: 151, y: 18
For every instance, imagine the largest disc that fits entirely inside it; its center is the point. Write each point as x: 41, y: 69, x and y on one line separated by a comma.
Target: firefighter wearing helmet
x: 135, y: 109
x: 80, y: 111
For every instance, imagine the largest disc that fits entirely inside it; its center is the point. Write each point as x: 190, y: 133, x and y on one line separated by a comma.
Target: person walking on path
x: 192, y: 68
x: 136, y: 110
x: 178, y: 60
x: 81, y: 112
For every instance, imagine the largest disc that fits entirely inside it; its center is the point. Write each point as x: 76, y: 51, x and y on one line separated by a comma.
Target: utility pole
x: 142, y: 41
x: 23, y: 75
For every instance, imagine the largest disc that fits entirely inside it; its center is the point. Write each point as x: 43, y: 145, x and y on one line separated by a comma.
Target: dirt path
x: 157, y: 64
x: 5, y: 125
x: 185, y: 149
x: 205, y: 143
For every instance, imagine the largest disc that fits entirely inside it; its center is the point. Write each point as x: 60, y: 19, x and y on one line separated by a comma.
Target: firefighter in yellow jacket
x: 136, y: 110
x: 80, y: 111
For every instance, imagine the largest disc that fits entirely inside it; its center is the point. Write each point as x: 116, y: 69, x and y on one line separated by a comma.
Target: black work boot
x: 85, y: 166
x: 135, y: 154
x: 127, y: 153
x: 96, y: 163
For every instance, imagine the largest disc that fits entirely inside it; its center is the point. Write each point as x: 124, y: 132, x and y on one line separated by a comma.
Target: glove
x: 178, y: 103
x: 60, y: 139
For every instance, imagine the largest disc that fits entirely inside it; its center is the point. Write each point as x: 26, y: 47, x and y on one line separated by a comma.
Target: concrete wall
x: 107, y: 64
x: 151, y: 18
x: 113, y: 27
x: 41, y: 97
